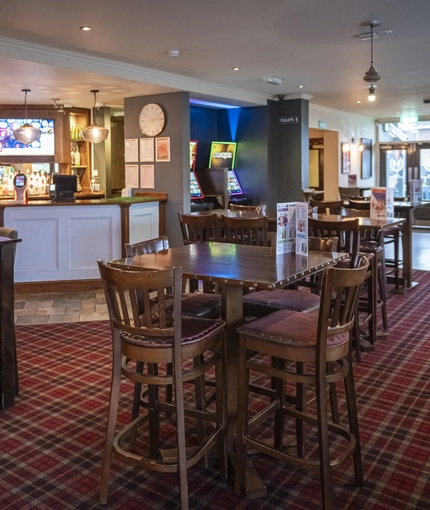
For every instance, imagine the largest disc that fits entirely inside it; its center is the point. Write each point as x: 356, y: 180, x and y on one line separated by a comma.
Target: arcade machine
x: 196, y: 193
x: 223, y: 155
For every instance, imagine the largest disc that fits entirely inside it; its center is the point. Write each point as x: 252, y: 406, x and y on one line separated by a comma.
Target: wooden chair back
x: 339, y: 297
x: 149, y: 246
x: 327, y: 206
x: 199, y: 228
x: 362, y: 205
x: 256, y: 208
x: 347, y: 231
x: 252, y: 231
x: 323, y: 243
x: 349, y: 192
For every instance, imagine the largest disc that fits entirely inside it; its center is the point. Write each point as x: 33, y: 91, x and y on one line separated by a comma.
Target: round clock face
x: 151, y: 119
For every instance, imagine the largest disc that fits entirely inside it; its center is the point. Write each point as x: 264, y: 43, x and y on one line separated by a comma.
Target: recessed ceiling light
x: 398, y: 113
x: 358, y: 102
x: 86, y: 28
x: 236, y: 68
x: 300, y: 86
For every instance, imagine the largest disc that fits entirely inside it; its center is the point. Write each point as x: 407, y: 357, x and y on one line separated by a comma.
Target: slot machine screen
x: 223, y: 155
x: 195, y: 188
x: 233, y: 185
x: 193, y: 154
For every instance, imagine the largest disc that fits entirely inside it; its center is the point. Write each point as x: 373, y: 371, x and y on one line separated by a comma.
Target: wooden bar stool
x: 312, y: 351
x: 145, y: 341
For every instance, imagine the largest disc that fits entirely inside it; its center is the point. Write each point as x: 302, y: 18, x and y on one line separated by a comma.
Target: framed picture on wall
x: 346, y: 158
x: 366, y: 158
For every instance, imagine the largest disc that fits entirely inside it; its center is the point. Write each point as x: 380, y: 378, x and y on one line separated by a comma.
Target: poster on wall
x: 346, y: 158
x: 131, y: 150
x: 146, y: 150
x: 366, y: 158
x: 352, y: 180
x: 162, y: 149
x: 131, y: 176
x: 147, y: 179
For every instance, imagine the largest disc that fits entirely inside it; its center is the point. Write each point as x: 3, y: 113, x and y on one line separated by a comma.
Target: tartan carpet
x: 51, y: 441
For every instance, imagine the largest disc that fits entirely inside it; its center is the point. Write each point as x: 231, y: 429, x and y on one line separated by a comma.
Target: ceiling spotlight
x: 274, y: 80
x: 174, y: 53
x: 86, y: 28
x: 371, y: 76
x: 358, y: 102
x: 300, y: 86
x: 236, y: 68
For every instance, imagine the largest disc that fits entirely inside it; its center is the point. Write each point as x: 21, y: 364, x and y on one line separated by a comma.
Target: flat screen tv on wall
x: 9, y: 146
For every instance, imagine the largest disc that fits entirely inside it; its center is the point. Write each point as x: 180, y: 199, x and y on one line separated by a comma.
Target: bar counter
x: 61, y: 241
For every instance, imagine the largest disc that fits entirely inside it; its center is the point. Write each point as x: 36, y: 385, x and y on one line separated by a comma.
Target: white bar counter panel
x: 63, y: 242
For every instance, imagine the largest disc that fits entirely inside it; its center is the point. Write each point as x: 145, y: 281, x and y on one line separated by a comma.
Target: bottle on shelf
x: 95, y: 183
x: 72, y: 155
x: 77, y: 157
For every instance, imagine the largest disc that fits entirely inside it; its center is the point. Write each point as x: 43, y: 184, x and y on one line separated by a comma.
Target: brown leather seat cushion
x: 258, y: 304
x: 193, y: 330
x: 199, y: 304
x: 290, y: 328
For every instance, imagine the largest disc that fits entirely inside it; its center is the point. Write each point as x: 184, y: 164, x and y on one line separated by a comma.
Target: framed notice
x: 162, y: 149
x: 366, y: 158
x: 346, y: 158
x: 131, y: 150
x: 147, y: 176
x: 146, y: 150
x: 131, y: 176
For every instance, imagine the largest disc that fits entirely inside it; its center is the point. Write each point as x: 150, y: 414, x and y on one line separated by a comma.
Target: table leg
x: 233, y: 315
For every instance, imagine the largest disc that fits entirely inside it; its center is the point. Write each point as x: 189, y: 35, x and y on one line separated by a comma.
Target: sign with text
x: 289, y: 119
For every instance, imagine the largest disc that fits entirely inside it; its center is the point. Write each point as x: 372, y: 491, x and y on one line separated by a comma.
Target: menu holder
x: 302, y: 231
x: 292, y: 228
x: 416, y: 191
x: 382, y: 203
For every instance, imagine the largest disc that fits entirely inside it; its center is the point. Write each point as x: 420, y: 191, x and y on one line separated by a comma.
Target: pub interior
x: 214, y: 256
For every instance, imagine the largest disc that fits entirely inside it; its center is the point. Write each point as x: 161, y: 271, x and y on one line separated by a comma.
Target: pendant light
x: 27, y: 133
x: 95, y: 133
x: 371, y: 76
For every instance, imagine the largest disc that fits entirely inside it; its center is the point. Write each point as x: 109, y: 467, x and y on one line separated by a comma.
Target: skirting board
x: 58, y: 286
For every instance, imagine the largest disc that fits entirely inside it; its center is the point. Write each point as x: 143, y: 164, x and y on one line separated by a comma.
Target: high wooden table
x: 235, y: 266
x: 8, y: 359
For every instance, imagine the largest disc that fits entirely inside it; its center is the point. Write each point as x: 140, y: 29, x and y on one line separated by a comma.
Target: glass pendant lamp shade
x: 95, y: 133
x: 27, y: 134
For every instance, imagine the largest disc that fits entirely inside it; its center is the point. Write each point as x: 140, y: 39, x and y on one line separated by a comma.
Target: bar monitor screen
x: 195, y: 188
x: 10, y: 146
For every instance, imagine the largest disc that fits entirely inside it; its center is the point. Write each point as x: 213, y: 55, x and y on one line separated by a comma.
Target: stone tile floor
x: 60, y: 307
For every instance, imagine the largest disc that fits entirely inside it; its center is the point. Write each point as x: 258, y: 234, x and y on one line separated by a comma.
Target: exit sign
x: 289, y: 119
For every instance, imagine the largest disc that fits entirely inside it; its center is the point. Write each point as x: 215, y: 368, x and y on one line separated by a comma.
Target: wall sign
x: 289, y: 119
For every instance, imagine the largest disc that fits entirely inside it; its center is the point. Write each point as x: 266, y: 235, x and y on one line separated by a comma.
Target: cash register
x: 63, y: 188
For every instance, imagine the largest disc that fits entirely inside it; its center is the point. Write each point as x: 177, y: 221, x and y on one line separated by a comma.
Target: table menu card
x: 382, y: 203
x: 416, y: 191
x: 286, y: 227
x: 302, y: 228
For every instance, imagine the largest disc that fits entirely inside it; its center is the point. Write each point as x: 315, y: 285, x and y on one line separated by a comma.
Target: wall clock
x: 152, y: 119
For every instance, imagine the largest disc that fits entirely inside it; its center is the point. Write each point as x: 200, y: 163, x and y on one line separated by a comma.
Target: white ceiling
x: 313, y: 43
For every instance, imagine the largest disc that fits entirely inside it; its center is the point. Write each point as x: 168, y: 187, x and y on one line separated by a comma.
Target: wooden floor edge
x: 63, y: 286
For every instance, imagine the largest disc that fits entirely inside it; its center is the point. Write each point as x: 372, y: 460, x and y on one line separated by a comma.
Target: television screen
x: 233, y: 185
x: 193, y: 154
x: 9, y: 146
x: 65, y: 182
x: 223, y: 155
x: 195, y: 188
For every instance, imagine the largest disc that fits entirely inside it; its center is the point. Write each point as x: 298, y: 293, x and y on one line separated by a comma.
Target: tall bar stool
x: 263, y: 302
x: 143, y: 341
x: 320, y: 349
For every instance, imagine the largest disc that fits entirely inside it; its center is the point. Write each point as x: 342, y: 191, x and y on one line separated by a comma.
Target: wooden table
x: 8, y: 359
x: 235, y: 266
x: 404, y: 210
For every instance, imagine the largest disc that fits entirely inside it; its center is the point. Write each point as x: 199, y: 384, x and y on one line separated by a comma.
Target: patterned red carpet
x: 51, y: 441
